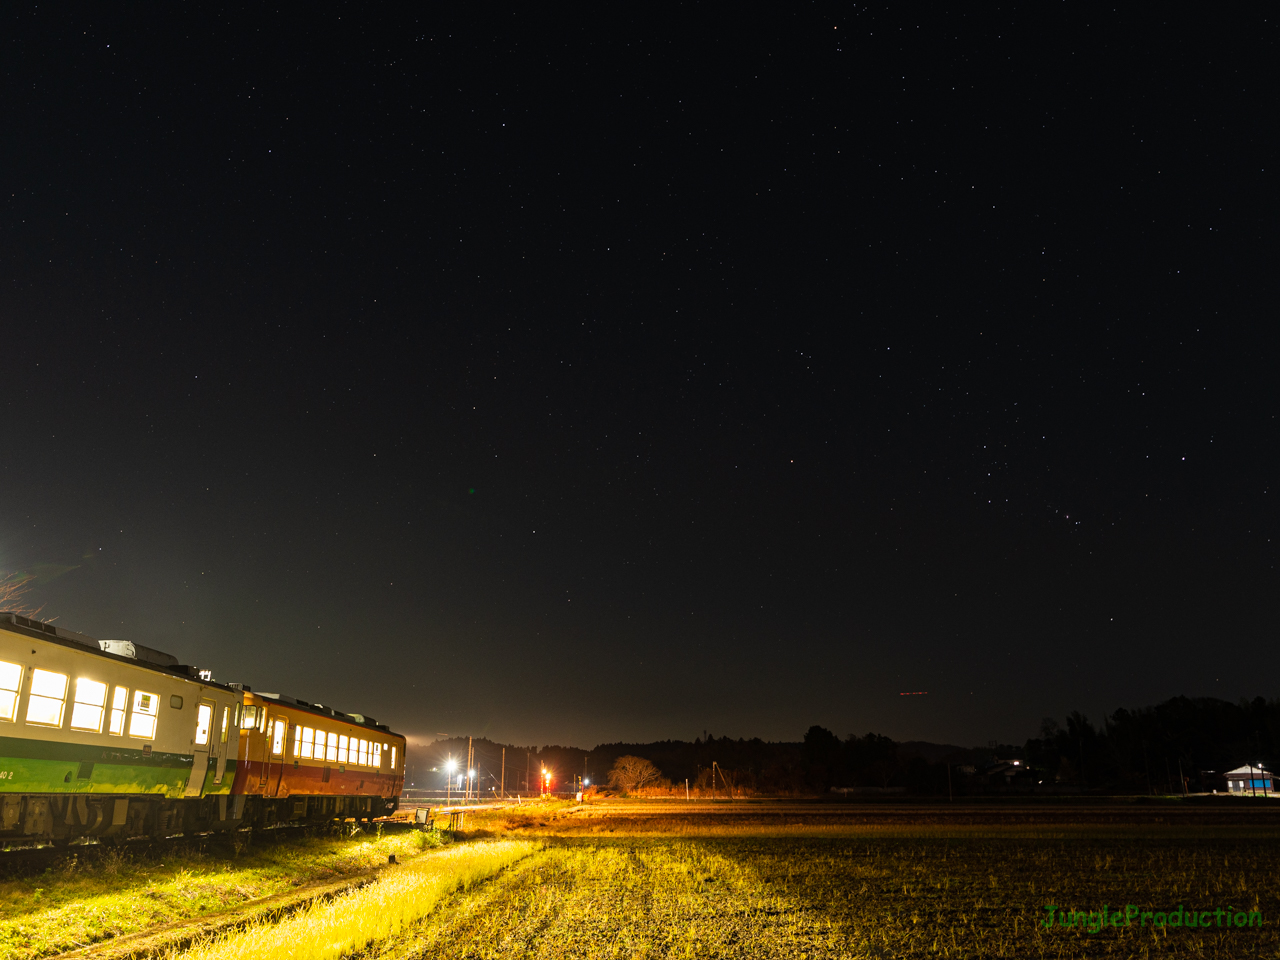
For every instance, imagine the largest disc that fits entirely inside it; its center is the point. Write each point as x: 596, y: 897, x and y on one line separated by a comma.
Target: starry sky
x: 564, y: 379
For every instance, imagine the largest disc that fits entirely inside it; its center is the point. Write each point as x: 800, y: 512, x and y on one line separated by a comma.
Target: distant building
x: 1250, y: 779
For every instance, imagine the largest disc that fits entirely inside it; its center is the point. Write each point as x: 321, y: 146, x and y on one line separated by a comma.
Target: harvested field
x: 818, y: 881
x: 666, y: 880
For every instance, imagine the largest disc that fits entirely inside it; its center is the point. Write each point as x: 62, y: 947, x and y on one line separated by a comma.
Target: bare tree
x: 631, y: 773
x: 13, y: 590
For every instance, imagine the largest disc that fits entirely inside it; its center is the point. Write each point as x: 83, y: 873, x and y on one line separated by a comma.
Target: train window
x: 249, y: 719
x: 10, y: 681
x: 297, y: 740
x: 342, y: 749
x: 364, y: 753
x: 393, y: 758
x: 262, y: 719
x: 376, y: 759
x: 204, y: 720
x: 308, y: 735
x: 90, y: 705
x: 277, y: 739
x: 119, y: 703
x: 331, y: 751
x: 142, y: 721
x: 235, y: 715
x: 226, y: 717
x: 48, y: 698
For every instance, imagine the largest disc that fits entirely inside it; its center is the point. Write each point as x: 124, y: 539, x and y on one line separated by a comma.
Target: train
x: 110, y: 739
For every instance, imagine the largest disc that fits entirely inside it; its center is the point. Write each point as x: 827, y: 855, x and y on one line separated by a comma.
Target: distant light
x: 471, y: 773
x: 586, y: 783
x: 451, y: 765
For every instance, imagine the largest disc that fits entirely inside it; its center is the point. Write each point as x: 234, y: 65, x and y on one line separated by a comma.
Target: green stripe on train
x: 44, y: 766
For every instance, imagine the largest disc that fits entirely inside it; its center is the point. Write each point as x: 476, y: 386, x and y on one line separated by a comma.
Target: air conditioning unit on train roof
x: 121, y: 648
x: 136, y: 651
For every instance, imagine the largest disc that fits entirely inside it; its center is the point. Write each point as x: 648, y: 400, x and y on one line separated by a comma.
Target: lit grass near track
x: 379, y: 911
x: 84, y: 900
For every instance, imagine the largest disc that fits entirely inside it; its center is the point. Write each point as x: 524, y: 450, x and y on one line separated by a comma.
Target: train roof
x: 127, y: 650
x: 322, y: 710
x: 119, y: 650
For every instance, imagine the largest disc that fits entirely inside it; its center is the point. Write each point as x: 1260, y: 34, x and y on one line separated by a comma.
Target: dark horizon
x: 582, y: 383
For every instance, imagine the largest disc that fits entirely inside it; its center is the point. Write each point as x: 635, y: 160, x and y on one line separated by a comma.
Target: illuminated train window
x: 119, y: 704
x: 204, y: 720
x: 10, y: 682
x: 297, y: 741
x: 90, y: 705
x: 308, y: 736
x: 331, y: 751
x: 277, y: 739
x: 48, y: 698
x: 393, y: 758
x: 342, y: 749
x: 226, y: 716
x: 376, y: 759
x: 249, y: 719
x: 142, y: 721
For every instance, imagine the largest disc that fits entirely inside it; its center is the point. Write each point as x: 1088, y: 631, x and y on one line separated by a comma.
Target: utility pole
x: 504, y: 773
x: 470, y: 760
x: 526, y: 769
x: 1081, y: 743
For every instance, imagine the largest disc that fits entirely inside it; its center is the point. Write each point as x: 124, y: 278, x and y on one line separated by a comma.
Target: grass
x: 84, y: 900
x: 382, y: 910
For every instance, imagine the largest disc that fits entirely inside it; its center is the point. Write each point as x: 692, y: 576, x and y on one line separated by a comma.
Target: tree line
x: 1180, y: 744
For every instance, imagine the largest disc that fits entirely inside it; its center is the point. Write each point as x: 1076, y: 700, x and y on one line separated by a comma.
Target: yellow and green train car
x: 109, y: 738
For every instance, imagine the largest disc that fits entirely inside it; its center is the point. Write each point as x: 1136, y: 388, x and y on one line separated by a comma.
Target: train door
x: 264, y: 767
x: 276, y: 729
x: 200, y: 748
x: 225, y: 736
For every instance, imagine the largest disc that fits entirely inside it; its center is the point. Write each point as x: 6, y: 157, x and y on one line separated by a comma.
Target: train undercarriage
x: 36, y: 818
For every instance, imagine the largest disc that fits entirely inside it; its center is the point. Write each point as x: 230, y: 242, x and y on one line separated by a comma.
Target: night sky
x: 561, y: 379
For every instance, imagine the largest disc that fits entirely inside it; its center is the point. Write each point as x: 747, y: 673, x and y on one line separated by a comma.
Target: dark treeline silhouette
x: 1155, y: 749
x: 1180, y: 744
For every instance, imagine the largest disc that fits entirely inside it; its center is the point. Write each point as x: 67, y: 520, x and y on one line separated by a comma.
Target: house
x: 1250, y: 779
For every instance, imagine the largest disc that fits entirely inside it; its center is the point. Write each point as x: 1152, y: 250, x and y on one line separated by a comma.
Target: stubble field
x: 807, y: 881
x: 634, y: 880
